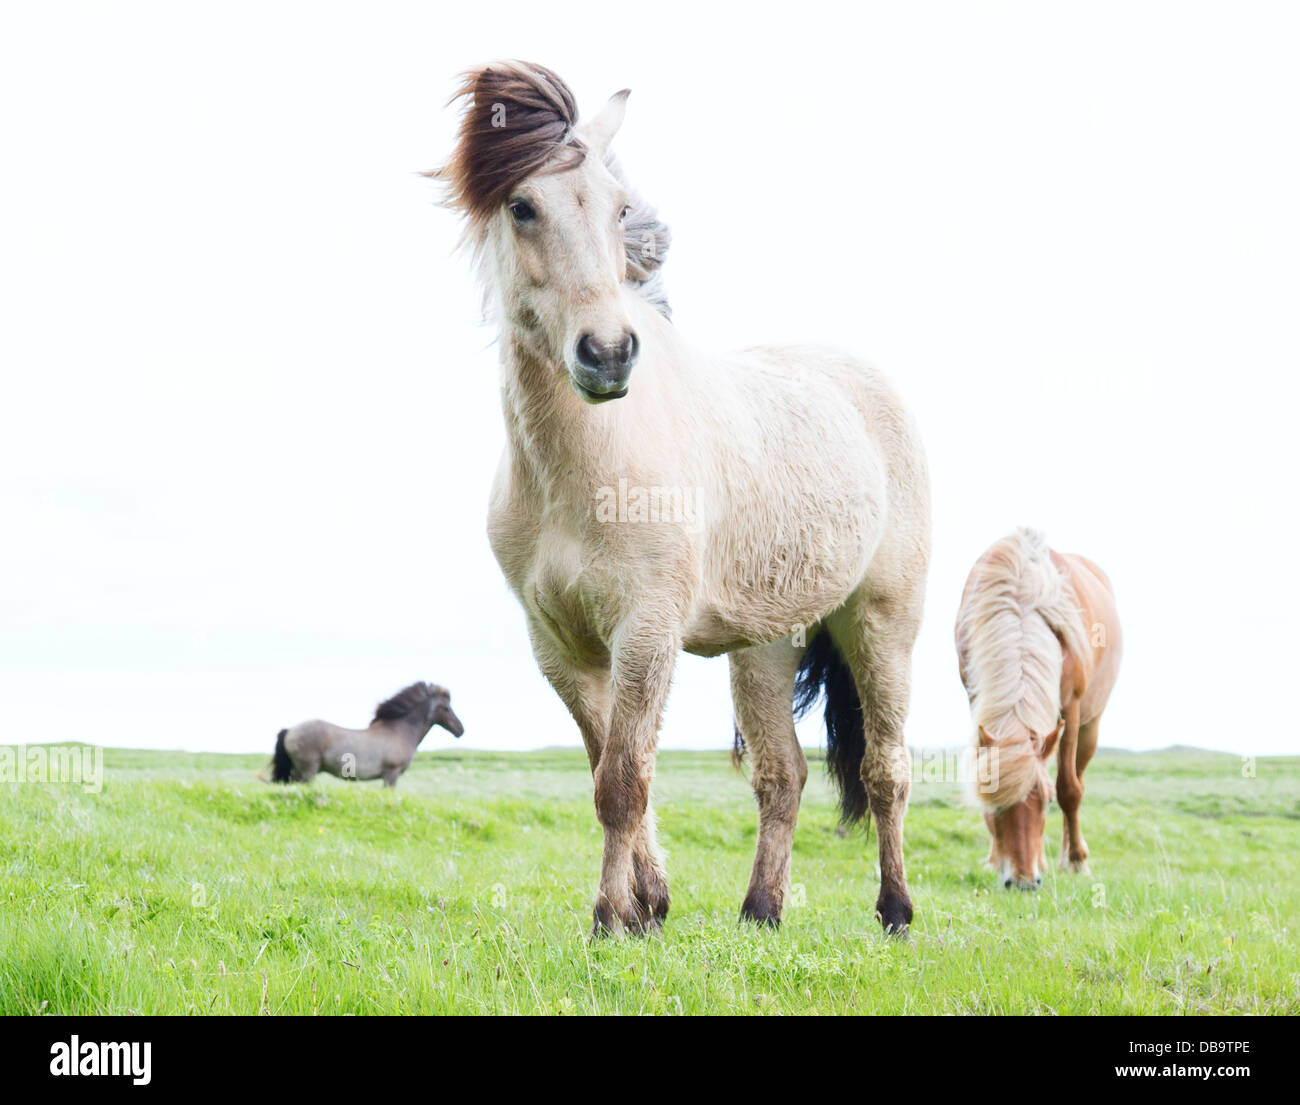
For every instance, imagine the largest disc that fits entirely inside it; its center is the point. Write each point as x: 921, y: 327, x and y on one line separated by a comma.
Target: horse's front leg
x: 585, y: 690
x: 1077, y: 747
x: 642, y: 672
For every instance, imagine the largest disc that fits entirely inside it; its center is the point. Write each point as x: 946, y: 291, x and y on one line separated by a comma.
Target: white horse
x: 803, y: 553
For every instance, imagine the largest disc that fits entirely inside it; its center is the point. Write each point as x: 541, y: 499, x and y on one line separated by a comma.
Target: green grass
x: 187, y: 886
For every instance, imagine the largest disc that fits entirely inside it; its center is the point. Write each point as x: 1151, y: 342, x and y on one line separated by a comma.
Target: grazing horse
x: 383, y: 750
x: 772, y: 504
x: 1038, y: 646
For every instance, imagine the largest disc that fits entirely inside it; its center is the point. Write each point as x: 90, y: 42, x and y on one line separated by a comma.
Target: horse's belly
x: 349, y: 759
x: 759, y: 615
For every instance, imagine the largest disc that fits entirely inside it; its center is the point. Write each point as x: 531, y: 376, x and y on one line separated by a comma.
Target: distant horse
x: 1038, y: 646
x: 771, y: 504
x: 383, y: 750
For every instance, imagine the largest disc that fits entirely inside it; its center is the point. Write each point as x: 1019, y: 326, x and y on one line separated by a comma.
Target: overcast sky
x: 250, y: 416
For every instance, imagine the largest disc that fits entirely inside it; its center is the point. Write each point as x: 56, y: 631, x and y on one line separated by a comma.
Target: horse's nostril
x: 599, y: 356
x: 630, y: 349
x: 589, y: 356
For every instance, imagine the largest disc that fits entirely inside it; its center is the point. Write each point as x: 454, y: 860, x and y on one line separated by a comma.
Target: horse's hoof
x: 1076, y: 866
x: 604, y: 925
x: 895, y: 913
x: 652, y: 903
x: 648, y: 920
x: 761, y: 909
x: 643, y: 926
x: 608, y: 921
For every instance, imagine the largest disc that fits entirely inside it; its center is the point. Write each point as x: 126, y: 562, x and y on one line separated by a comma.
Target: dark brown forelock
x: 534, y: 113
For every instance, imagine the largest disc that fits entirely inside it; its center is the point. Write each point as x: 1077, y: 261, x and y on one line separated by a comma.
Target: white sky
x: 249, y: 417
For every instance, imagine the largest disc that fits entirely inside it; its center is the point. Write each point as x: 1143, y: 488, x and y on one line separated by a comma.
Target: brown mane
x: 518, y: 116
x: 519, y: 119
x: 403, y: 702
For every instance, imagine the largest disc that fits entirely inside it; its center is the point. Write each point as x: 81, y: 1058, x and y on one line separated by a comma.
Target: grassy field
x: 187, y: 886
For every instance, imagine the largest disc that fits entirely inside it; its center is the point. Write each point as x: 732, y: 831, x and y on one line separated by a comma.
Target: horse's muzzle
x: 601, y: 369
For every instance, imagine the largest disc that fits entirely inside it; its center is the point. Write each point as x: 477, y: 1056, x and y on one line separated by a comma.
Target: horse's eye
x: 624, y: 213
x: 522, y: 211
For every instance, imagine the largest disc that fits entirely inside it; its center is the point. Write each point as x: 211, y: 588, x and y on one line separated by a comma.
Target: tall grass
x: 188, y: 886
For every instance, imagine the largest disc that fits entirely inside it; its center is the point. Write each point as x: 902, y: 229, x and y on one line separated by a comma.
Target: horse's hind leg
x: 306, y: 765
x: 762, y: 687
x: 875, y: 635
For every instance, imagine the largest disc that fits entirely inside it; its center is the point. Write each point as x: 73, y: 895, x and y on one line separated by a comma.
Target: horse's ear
x: 599, y: 133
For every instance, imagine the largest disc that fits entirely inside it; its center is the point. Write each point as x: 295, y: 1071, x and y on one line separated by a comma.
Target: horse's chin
x: 595, y: 398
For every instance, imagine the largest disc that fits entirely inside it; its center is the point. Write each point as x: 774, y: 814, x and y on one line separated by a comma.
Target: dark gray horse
x: 383, y: 750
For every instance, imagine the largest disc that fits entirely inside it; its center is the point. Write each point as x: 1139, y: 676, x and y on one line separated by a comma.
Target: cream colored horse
x: 804, y: 552
x: 1038, y: 647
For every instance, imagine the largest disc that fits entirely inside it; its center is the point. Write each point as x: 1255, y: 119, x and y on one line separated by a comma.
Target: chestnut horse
x: 805, y: 550
x: 1038, y: 646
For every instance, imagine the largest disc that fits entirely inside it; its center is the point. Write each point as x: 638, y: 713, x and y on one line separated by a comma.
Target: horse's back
x: 307, y: 736
x: 834, y: 380
x: 322, y: 745
x: 1096, y: 598
x: 848, y: 379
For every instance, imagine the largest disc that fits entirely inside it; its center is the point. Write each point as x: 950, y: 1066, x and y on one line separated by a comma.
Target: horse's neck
x: 562, y: 446
x: 550, y: 431
x: 403, y: 731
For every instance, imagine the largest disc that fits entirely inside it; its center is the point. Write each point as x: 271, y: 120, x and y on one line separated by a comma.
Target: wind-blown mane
x: 646, y: 239
x: 403, y: 702
x: 1019, y: 614
x: 518, y: 119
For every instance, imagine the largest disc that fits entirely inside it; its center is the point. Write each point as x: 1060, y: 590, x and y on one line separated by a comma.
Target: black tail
x: 737, y: 747
x: 823, y: 671
x: 281, y: 765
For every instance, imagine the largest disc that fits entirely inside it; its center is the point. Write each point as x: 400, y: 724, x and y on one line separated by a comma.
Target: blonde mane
x: 1015, y: 620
